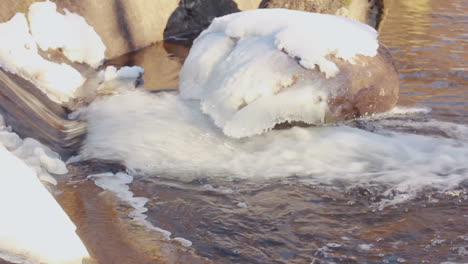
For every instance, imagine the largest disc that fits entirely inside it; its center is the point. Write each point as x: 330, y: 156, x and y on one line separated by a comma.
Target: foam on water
x: 19, y: 55
x: 168, y: 136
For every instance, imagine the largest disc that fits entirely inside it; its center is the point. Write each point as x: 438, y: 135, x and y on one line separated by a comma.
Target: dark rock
x: 193, y: 16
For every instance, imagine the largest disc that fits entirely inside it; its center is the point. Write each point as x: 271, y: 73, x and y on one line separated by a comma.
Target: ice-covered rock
x: 19, y: 55
x: 259, y: 68
x: 69, y: 32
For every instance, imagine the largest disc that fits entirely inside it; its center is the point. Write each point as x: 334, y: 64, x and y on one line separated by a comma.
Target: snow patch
x: 69, y: 32
x: 18, y: 55
x: 33, y: 226
x: 38, y: 157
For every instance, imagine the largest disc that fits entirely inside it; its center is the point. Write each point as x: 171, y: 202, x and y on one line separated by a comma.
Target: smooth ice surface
x: 70, y: 32
x: 167, y: 136
x: 33, y: 226
x: 254, y: 69
x: 18, y: 54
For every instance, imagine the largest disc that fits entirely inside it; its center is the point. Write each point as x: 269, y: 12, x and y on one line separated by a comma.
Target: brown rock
x: 365, y: 11
x: 318, y: 6
x: 369, y: 86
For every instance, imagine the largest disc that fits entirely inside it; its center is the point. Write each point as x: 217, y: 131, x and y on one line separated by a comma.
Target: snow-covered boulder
x: 69, y: 33
x: 256, y: 69
x: 19, y: 55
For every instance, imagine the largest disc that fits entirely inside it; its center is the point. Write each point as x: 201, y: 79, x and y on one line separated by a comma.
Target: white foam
x: 33, y: 226
x: 165, y: 135
x: 244, y: 68
x: 18, y: 54
x: 365, y: 247
x: 69, y: 32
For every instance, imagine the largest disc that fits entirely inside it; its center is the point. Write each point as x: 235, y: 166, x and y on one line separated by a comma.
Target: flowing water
x: 410, y: 205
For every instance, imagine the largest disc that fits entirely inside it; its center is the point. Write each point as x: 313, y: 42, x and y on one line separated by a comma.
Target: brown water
x: 285, y: 221
x: 429, y: 41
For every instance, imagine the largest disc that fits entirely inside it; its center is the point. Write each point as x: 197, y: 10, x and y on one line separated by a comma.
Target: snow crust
x: 70, y: 32
x: 166, y: 135
x: 18, y: 54
x: 33, y: 226
x: 254, y: 69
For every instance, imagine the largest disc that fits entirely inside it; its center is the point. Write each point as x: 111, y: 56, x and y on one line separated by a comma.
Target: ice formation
x: 52, y: 30
x: 119, y: 184
x: 69, y: 32
x: 113, y: 80
x: 18, y: 54
x: 33, y: 226
x: 240, y: 66
x: 38, y: 157
x: 166, y: 135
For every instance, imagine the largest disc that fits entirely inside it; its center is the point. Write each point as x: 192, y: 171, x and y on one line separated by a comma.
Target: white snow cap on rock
x: 70, y: 32
x: 18, y: 54
x: 239, y: 66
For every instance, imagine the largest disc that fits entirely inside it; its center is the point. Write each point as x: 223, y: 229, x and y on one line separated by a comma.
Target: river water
x: 404, y: 209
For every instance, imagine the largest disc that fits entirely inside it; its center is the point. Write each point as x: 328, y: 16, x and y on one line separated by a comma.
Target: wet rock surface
x: 371, y: 85
x: 32, y: 114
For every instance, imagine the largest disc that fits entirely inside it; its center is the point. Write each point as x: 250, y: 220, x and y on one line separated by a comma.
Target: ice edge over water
x: 119, y: 185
